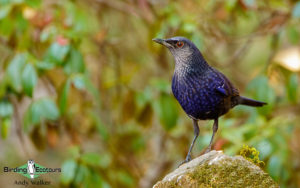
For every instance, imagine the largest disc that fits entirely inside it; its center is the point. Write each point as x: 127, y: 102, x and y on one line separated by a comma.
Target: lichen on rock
x: 252, y: 155
x: 216, y: 169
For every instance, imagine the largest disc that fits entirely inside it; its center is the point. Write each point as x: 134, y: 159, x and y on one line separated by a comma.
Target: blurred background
x: 84, y: 88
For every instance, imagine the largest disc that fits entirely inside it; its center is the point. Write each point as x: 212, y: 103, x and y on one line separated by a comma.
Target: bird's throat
x: 191, y: 65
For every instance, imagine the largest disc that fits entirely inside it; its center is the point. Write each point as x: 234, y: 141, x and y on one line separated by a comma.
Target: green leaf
x: 95, y: 159
x: 27, y: 119
x: 82, y: 174
x: 6, y: 109
x: 14, y: 72
x: 36, y: 113
x: 29, y: 79
x: 167, y: 111
x: 292, y: 88
x: 49, y: 109
x: 296, y: 10
x: 44, y: 65
x: 5, y: 127
x: 265, y: 147
x: 42, y: 109
x: 74, y: 63
x: 68, y: 171
x: 79, y: 81
x: 95, y: 180
x: 125, y: 178
x: 57, y: 53
x: 63, y: 100
x: 274, y: 167
x: 91, y: 89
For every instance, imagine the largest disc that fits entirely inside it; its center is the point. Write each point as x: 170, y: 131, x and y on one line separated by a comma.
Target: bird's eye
x: 179, y: 44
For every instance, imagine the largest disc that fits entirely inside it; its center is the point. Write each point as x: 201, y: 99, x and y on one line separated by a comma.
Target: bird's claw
x: 187, y: 159
x: 207, y: 150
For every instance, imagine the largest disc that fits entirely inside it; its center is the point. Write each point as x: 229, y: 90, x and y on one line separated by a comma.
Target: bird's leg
x: 196, y: 133
x: 215, y: 129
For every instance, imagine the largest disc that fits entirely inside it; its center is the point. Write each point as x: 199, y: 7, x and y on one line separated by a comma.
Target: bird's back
x: 204, y: 94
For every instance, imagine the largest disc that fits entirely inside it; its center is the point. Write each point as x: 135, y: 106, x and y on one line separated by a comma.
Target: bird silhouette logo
x: 31, y: 168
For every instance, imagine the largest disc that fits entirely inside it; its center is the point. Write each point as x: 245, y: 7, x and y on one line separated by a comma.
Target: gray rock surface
x: 215, y: 169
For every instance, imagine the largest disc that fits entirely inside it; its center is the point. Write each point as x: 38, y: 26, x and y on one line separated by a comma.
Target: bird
x: 31, y: 168
x: 202, y: 91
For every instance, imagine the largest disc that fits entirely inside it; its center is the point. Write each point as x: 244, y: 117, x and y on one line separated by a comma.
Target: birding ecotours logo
x: 31, y: 170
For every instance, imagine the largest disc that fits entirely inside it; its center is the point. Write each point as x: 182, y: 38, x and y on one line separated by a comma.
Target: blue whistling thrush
x: 202, y: 91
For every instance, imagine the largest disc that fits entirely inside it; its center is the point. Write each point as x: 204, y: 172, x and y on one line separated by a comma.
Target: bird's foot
x: 208, y: 149
x: 187, y: 159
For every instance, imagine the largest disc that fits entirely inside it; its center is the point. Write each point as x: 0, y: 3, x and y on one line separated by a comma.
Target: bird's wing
x: 222, y: 91
x: 225, y: 87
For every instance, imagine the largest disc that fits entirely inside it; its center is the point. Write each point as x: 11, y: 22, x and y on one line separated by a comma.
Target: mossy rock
x: 216, y: 169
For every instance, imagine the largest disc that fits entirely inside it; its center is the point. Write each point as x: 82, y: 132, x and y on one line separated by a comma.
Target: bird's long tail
x: 250, y: 102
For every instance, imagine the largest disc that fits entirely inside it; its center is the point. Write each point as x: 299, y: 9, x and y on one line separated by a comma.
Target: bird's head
x: 30, y: 162
x: 181, y: 48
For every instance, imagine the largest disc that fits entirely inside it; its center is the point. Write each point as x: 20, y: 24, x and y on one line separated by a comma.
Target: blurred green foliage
x: 83, y: 81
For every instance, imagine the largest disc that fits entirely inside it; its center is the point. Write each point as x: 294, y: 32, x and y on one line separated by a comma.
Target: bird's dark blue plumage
x: 204, y: 95
x: 202, y: 91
